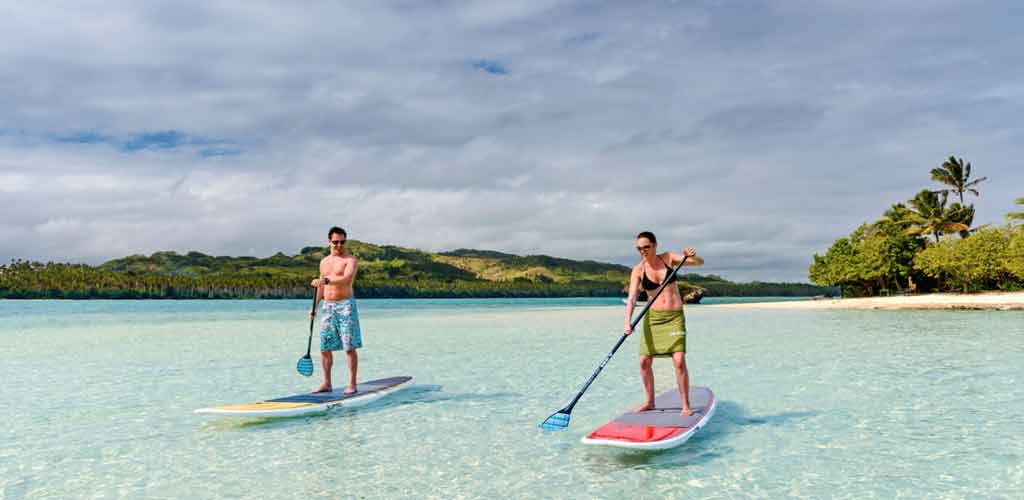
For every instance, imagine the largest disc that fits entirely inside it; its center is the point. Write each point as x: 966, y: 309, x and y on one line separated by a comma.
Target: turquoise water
x: 98, y: 396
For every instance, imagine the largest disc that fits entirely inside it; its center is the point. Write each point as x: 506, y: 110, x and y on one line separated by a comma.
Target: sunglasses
x: 338, y: 242
x: 645, y: 247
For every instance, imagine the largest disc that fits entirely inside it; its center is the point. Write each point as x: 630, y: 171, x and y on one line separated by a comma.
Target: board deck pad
x: 339, y: 394
x: 667, y: 407
x: 300, y: 404
x: 659, y: 428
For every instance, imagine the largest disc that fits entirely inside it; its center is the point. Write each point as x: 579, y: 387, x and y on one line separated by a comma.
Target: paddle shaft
x: 312, y: 319
x: 632, y: 325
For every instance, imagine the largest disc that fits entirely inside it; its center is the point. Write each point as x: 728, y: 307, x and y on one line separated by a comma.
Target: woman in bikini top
x: 651, y: 271
x: 650, y: 286
x: 664, y: 323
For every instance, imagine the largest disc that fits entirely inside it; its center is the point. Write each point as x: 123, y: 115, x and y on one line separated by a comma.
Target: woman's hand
x: 689, y: 252
x: 628, y: 330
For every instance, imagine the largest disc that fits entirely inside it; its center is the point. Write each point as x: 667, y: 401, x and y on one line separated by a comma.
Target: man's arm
x: 324, y: 277
x: 347, y: 275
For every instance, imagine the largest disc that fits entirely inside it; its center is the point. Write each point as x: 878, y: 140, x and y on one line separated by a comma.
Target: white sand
x: 982, y: 301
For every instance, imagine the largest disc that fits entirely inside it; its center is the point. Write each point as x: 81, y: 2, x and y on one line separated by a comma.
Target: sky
x: 756, y: 132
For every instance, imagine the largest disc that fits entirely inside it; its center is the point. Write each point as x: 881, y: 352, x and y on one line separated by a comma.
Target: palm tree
x: 928, y: 214
x: 963, y: 214
x: 957, y: 174
x: 897, y: 215
x: 1016, y: 215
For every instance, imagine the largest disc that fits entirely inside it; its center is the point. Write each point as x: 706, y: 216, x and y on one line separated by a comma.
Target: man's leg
x: 353, y: 369
x: 647, y: 377
x: 683, y: 381
x: 327, y: 359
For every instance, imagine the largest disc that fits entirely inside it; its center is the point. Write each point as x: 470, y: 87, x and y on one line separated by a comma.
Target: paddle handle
x: 312, y: 320
x: 632, y: 325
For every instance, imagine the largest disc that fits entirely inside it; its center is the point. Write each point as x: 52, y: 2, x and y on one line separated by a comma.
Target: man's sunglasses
x: 338, y: 242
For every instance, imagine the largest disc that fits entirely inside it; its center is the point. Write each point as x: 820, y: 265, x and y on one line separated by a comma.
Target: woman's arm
x: 693, y: 260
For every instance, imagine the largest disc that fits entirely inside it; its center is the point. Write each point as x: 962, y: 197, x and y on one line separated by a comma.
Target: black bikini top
x: 649, y: 285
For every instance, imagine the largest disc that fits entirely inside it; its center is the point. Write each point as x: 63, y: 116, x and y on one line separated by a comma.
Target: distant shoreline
x: 990, y: 301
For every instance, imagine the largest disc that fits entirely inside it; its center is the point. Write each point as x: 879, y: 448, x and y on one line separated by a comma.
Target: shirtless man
x: 339, y: 325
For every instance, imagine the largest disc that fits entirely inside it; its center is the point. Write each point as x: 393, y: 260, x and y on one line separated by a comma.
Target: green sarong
x: 664, y: 333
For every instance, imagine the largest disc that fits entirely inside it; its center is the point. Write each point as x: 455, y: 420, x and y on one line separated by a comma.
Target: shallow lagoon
x: 848, y: 404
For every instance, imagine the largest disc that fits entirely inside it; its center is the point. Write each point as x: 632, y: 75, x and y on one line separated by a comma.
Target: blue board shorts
x: 339, y: 326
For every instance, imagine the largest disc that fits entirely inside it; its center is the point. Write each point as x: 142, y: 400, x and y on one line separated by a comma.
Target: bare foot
x: 686, y: 412
x: 644, y: 407
x: 349, y: 390
x: 323, y: 388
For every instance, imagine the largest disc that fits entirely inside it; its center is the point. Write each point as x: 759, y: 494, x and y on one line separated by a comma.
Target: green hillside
x: 384, y: 271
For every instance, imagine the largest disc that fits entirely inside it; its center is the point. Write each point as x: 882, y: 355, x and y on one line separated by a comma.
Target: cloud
x: 554, y: 127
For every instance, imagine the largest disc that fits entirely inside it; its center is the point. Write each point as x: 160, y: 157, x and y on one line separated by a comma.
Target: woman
x: 664, y: 324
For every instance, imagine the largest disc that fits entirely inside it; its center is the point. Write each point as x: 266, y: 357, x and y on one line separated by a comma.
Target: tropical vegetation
x: 927, y: 244
x: 385, y: 271
x: 1012, y: 216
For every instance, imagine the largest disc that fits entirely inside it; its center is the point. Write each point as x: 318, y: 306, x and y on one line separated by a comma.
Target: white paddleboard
x: 301, y: 404
x: 660, y: 428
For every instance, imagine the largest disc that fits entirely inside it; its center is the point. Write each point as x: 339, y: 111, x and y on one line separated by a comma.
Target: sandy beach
x: 981, y: 301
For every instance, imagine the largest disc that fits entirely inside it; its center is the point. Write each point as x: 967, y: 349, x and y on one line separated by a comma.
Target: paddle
x: 559, y: 420
x: 305, y: 364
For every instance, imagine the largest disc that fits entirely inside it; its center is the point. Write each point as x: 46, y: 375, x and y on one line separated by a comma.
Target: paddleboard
x: 301, y: 404
x: 660, y: 428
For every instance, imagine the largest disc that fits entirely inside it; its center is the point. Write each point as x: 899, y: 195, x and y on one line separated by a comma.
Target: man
x: 339, y: 326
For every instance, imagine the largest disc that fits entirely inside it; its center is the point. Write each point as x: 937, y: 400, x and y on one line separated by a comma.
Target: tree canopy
x: 927, y: 245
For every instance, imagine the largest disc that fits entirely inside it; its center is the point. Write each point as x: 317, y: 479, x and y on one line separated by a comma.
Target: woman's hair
x: 649, y: 235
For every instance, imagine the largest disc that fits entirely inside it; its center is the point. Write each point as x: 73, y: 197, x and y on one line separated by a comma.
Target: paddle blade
x: 556, y: 422
x: 305, y: 366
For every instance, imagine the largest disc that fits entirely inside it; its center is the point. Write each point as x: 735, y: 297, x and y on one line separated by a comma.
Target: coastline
x: 989, y: 301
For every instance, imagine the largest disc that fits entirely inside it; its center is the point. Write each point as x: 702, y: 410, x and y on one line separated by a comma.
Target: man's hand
x: 689, y: 252
x: 319, y: 282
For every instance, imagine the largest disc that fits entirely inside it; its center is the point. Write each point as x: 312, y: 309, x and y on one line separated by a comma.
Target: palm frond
x: 975, y: 182
x: 1016, y: 215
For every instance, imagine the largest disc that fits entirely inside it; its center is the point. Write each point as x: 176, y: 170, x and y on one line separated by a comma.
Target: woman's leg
x: 647, y: 377
x: 683, y: 381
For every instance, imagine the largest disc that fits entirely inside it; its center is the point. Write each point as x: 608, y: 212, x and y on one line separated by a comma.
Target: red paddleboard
x: 660, y: 428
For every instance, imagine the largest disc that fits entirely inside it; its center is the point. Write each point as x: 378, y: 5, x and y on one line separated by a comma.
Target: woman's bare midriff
x: 669, y: 300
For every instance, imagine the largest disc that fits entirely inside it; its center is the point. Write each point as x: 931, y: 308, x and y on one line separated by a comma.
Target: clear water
x: 98, y: 399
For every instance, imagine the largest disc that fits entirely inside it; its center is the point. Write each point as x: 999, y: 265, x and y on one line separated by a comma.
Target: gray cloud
x: 758, y: 132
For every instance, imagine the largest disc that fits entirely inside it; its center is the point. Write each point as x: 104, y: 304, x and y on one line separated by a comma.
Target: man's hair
x: 336, y: 230
x: 649, y: 235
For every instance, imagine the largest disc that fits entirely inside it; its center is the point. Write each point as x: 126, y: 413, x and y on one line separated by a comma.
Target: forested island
x: 384, y: 272
x: 928, y: 244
